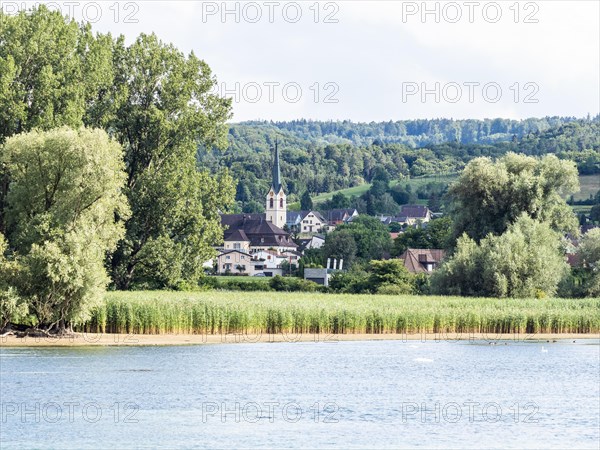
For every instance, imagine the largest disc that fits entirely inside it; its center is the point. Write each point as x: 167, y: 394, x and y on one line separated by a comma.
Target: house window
x: 281, y: 202
x: 237, y: 246
x: 228, y: 257
x: 243, y: 257
x: 271, y: 202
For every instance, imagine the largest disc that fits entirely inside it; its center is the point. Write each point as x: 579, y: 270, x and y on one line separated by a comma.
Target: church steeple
x: 276, y: 210
x: 276, y: 184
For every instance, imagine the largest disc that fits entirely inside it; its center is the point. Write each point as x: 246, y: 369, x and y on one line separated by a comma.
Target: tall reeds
x: 217, y: 312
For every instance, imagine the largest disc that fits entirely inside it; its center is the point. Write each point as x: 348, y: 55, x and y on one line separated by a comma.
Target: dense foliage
x: 490, y: 195
x: 156, y: 102
x: 65, y: 211
x: 327, y: 156
x: 363, y: 239
x: 525, y: 261
x: 437, y: 234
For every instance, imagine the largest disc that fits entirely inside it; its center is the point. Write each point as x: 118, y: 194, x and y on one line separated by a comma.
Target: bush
x: 243, y: 285
x: 391, y: 289
x: 292, y: 284
x: 525, y: 261
x: 353, y: 282
x: 390, y: 277
x: 12, y: 308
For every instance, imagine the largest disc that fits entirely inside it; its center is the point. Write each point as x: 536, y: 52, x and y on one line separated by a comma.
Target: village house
x: 235, y: 261
x: 410, y: 215
x: 422, y: 260
x: 306, y: 222
x: 315, y: 241
x: 337, y: 217
x: 414, y: 214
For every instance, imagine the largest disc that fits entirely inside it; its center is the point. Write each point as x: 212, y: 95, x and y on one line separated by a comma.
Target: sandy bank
x: 93, y: 339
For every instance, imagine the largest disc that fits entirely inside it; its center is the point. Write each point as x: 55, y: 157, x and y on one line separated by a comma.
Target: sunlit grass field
x: 415, y: 183
x: 590, y: 184
x: 215, y: 312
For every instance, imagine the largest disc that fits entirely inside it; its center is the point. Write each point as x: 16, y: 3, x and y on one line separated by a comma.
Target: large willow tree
x: 156, y: 102
x: 64, y: 209
x: 491, y: 195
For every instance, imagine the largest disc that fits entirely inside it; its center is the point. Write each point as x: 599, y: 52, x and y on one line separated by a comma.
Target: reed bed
x: 218, y: 312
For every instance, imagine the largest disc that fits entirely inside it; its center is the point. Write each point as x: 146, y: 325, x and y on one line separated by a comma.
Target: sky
x: 378, y: 60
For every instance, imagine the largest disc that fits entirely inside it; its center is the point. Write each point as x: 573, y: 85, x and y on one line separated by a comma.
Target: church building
x: 253, y: 233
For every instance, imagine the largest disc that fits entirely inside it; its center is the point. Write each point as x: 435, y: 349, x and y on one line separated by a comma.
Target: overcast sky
x: 374, y: 61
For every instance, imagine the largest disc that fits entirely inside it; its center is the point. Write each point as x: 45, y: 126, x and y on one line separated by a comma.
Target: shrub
x: 292, y: 284
x: 525, y: 261
x: 243, y: 285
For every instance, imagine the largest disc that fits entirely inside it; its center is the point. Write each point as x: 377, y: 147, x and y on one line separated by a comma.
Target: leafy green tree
x: 436, y: 234
x: 489, y: 196
x: 402, y: 195
x: 306, y: 202
x: 526, y: 261
x: 65, y: 211
x: 589, y: 251
x: 52, y: 71
x: 340, y: 245
x: 156, y: 102
x: 411, y: 238
x: 371, y: 237
x: 164, y: 111
x: 338, y: 201
x: 253, y: 207
x: 354, y: 281
x: 390, y: 277
x: 13, y: 308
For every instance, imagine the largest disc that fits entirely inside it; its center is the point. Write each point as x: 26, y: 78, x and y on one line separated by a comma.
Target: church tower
x: 276, y: 210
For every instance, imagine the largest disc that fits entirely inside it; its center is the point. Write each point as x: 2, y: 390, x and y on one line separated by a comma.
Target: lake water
x: 384, y: 394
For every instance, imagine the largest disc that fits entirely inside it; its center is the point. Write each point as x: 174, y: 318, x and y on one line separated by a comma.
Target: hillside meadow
x: 217, y: 312
x: 589, y: 185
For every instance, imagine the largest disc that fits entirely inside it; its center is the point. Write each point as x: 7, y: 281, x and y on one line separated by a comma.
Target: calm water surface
x: 388, y: 394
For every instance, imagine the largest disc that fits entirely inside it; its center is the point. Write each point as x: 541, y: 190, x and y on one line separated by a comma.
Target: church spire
x: 276, y: 171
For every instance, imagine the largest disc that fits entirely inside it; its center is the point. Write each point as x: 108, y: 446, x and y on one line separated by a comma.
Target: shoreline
x: 140, y: 340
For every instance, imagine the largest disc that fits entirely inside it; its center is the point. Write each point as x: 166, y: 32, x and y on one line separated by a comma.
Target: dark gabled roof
x: 258, y: 230
x: 414, y: 211
x: 232, y: 220
x: 238, y: 235
x: 415, y: 258
x: 336, y: 215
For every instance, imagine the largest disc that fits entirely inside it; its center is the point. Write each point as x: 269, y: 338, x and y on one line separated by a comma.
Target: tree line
x: 507, y: 232
x: 317, y: 163
x: 99, y: 176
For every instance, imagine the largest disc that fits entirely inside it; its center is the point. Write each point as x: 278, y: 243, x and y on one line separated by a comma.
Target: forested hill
x: 413, y: 133
x: 327, y: 156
